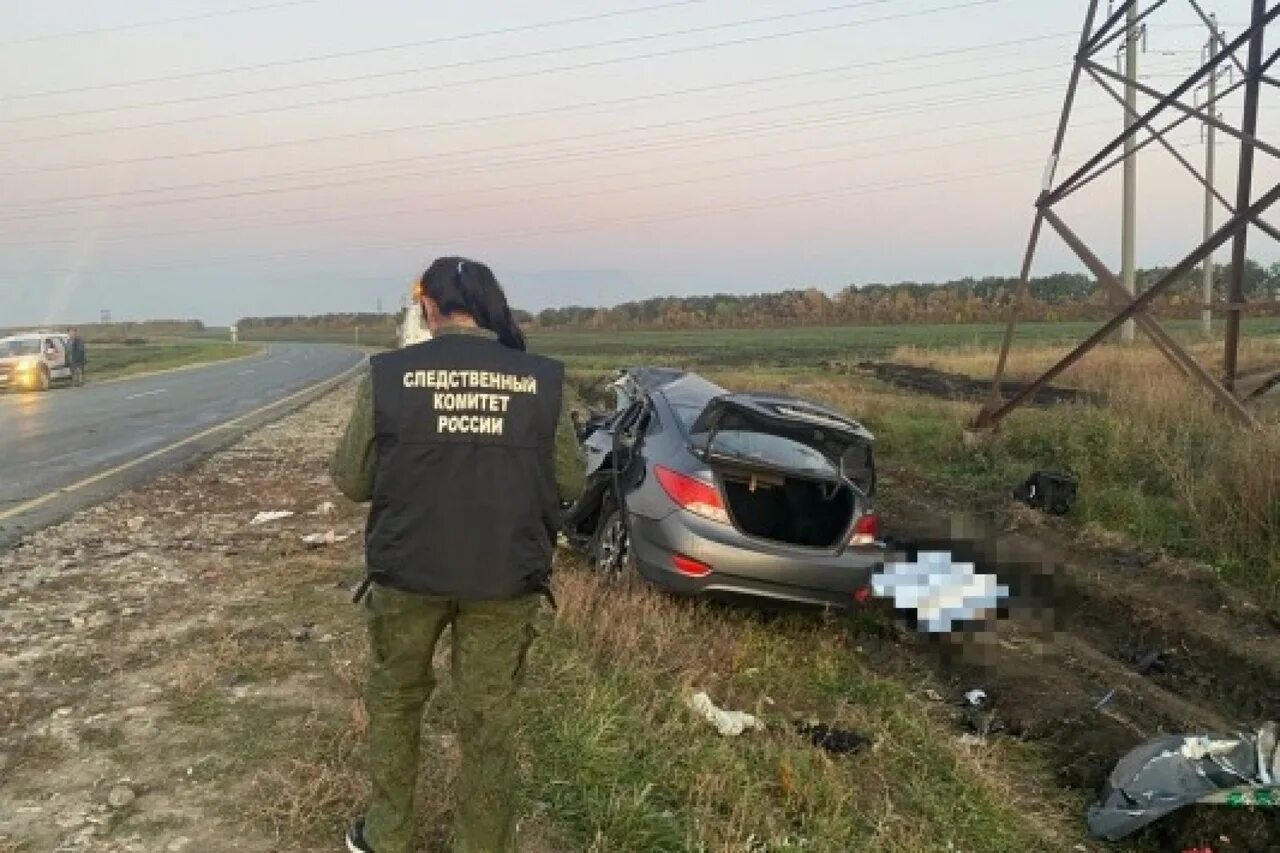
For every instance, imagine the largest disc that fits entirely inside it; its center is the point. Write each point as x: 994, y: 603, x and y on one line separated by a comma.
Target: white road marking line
x: 246, y: 372
x: 147, y: 394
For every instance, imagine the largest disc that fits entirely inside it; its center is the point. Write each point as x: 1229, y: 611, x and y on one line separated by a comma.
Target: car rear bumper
x: 745, y: 568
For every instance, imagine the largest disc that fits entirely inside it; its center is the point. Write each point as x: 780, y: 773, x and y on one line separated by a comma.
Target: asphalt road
x: 72, y: 447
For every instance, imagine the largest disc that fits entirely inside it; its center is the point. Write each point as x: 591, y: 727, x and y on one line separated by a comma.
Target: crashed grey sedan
x: 707, y: 492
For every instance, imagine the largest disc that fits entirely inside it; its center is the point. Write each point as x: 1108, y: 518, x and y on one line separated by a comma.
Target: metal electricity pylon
x: 1153, y: 126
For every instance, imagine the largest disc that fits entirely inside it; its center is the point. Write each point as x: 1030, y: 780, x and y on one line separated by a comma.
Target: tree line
x: 1052, y: 298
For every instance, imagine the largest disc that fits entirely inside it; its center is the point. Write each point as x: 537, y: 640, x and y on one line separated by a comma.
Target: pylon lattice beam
x: 1244, y: 213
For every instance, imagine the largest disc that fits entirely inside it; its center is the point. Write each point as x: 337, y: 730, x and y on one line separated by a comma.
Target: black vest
x: 465, y: 503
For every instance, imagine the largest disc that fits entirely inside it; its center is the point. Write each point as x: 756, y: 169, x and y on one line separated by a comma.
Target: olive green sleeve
x: 353, y: 464
x: 570, y: 474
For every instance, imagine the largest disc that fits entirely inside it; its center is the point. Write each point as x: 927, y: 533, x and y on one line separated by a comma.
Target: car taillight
x: 866, y: 530
x: 694, y: 495
x: 689, y: 566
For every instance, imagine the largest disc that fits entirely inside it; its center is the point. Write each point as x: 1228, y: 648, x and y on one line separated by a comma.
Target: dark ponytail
x: 460, y: 286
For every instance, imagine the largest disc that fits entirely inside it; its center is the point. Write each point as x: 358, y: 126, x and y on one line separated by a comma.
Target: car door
x: 55, y: 358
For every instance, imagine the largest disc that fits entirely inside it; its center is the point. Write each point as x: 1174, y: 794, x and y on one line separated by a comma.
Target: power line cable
x: 492, y: 78
x: 506, y: 146
x: 738, y: 133
x: 685, y: 212
x: 525, y: 143
x: 326, y: 57
x: 464, y: 63
x: 701, y: 178
x: 520, y: 114
x: 665, y: 216
x: 114, y: 28
x: 764, y: 203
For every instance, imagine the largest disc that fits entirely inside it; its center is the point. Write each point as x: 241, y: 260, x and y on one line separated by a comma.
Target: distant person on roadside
x: 455, y: 442
x: 76, y: 358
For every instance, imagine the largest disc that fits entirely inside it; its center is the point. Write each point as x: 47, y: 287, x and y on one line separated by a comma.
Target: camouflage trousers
x: 490, y: 642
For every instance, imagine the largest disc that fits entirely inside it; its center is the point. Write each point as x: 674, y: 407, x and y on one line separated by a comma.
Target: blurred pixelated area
x: 964, y: 585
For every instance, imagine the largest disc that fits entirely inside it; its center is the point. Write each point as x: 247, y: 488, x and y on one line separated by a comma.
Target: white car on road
x: 35, y: 361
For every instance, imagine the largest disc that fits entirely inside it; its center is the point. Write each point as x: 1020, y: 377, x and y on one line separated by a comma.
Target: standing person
x: 76, y: 359
x: 454, y: 441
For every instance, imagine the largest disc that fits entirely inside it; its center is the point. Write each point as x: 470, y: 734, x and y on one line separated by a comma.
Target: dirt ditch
x: 955, y: 386
x: 1107, y: 648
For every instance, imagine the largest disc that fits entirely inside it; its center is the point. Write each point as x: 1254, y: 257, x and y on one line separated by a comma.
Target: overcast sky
x: 191, y: 158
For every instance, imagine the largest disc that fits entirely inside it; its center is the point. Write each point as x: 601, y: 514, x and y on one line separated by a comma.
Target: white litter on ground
x: 328, y: 538
x: 727, y: 723
x: 268, y: 516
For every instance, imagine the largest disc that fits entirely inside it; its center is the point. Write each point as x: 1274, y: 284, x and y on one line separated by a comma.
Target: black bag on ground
x: 1048, y: 491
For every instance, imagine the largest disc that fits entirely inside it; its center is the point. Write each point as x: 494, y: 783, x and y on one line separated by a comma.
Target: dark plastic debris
x: 1049, y: 491
x: 833, y: 740
x: 1240, y: 769
x: 1156, y: 661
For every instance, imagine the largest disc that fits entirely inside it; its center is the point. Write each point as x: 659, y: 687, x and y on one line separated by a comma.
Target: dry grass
x: 1106, y: 369
x: 650, y: 776
x: 303, y: 795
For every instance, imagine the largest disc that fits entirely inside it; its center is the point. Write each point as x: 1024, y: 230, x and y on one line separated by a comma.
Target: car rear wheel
x: 611, y: 547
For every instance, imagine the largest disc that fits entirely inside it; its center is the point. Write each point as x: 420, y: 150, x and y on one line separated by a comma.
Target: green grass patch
x: 110, y: 361
x: 620, y: 763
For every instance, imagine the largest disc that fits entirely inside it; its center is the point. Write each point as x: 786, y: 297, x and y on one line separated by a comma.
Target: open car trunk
x: 790, y: 471
x: 790, y: 510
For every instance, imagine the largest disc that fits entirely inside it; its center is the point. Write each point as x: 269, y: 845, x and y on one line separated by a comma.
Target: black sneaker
x: 355, y: 837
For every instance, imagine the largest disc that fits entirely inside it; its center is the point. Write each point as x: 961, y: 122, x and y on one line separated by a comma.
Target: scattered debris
x: 971, y: 740
x: 727, y: 723
x: 319, y: 540
x: 135, y: 523
x: 303, y: 634
x: 1047, y: 490
x: 268, y: 516
x: 326, y: 508
x: 1155, y: 661
x: 833, y: 740
x: 1105, y: 700
x: 1168, y: 773
x: 978, y: 715
x: 932, y: 695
